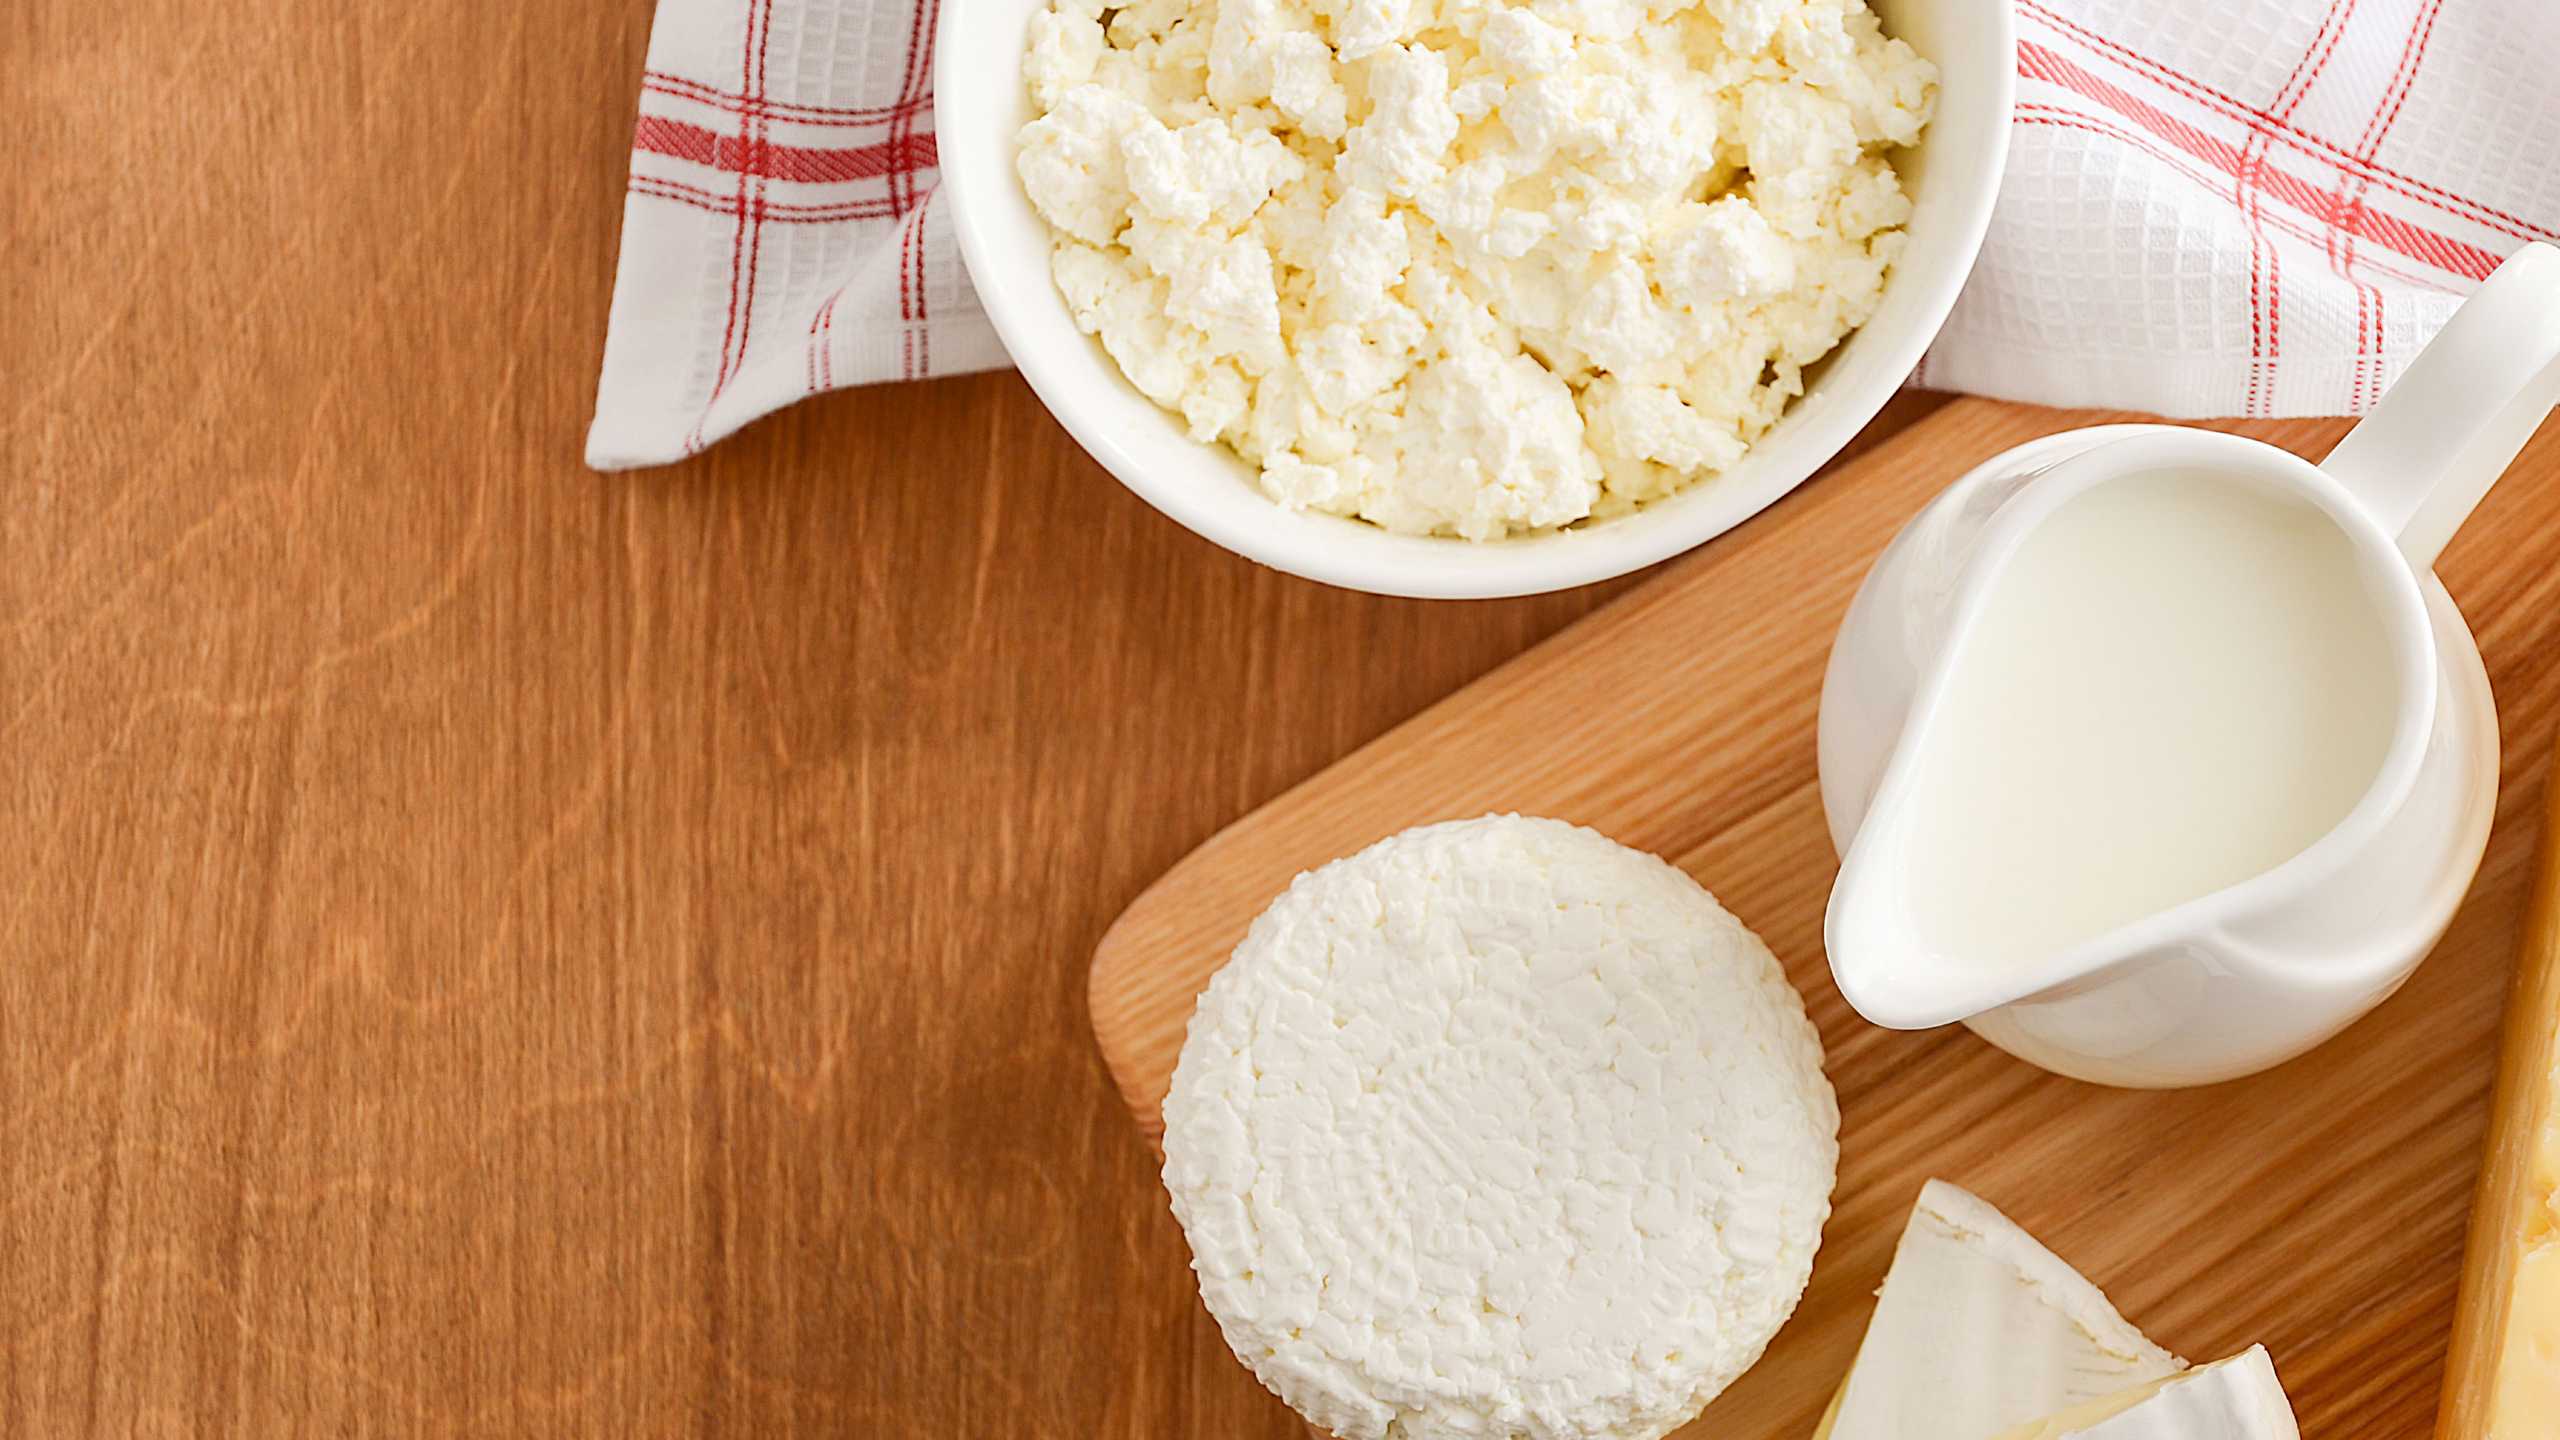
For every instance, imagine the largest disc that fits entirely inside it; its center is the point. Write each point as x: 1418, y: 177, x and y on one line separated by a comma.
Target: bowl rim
x: 1355, y: 554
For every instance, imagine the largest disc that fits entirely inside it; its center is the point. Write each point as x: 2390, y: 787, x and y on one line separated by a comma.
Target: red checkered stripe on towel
x: 2370, y: 220
x: 737, y: 150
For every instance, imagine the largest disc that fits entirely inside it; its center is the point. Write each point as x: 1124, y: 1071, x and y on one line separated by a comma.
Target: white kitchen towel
x: 2213, y: 207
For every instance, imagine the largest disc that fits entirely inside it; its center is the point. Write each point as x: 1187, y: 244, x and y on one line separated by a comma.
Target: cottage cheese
x: 1500, y: 1129
x: 1470, y: 267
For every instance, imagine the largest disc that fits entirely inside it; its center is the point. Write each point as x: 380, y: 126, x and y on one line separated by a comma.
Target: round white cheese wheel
x: 1500, y: 1128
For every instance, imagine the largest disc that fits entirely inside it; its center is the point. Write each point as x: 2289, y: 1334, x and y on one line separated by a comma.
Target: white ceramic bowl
x: 1953, y: 175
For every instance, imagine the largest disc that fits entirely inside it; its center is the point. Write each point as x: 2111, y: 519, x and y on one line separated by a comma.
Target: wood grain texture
x: 492, y: 949
x: 2318, y: 1208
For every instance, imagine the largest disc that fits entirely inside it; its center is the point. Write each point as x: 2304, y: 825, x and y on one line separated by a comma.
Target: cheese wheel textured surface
x: 1500, y: 1128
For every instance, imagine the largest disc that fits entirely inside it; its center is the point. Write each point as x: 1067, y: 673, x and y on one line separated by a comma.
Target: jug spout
x: 1883, y: 957
x: 1884, y: 970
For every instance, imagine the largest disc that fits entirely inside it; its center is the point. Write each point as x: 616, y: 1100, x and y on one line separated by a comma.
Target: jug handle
x: 2444, y: 434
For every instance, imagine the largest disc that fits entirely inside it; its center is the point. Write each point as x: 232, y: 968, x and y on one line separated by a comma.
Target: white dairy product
x: 1980, y: 1329
x: 1367, y: 222
x: 2234, y: 1399
x: 2177, y: 682
x: 1500, y: 1129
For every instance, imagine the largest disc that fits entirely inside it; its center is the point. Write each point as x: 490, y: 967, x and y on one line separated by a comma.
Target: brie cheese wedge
x: 1979, y: 1330
x: 2234, y: 1399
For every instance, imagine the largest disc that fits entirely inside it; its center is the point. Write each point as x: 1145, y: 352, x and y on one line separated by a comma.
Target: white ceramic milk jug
x: 2217, y: 984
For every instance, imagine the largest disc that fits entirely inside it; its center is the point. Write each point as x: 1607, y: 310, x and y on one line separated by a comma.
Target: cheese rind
x: 2526, y: 1403
x: 2502, y: 1381
x: 1980, y: 1329
x: 2523, y: 1397
x: 2234, y: 1399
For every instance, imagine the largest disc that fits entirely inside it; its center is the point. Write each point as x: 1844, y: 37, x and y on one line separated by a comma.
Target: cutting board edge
x: 1115, y: 1030
x: 2329, y: 1363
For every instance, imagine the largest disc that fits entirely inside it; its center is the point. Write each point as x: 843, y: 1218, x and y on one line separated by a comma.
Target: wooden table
x: 497, y: 949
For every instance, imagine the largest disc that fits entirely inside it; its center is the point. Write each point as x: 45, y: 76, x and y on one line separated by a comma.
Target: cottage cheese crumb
x: 1466, y: 267
x: 1500, y: 1129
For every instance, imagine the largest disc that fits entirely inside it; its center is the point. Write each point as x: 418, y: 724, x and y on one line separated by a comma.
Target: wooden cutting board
x: 2318, y: 1208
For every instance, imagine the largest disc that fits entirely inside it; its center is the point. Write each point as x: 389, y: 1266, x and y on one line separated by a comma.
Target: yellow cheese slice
x: 2526, y: 1402
x: 2503, y: 1379
x: 1831, y: 1415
